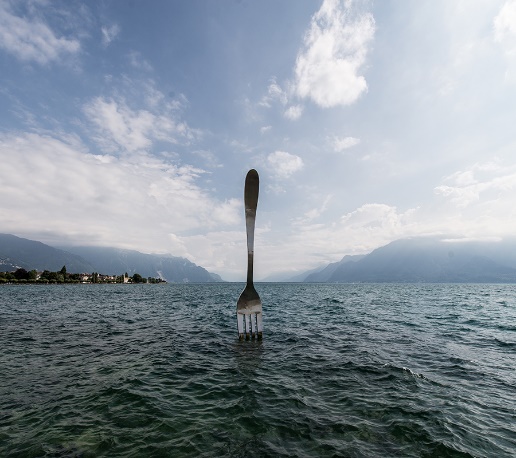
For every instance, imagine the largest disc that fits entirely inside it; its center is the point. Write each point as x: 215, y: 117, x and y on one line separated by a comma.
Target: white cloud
x: 137, y: 61
x: 505, y: 36
x: 109, y: 33
x: 153, y: 97
x: 228, y: 212
x: 265, y: 129
x: 374, y: 217
x: 315, y: 213
x: 30, y: 39
x: 220, y: 251
x: 341, y: 144
x: 274, y: 94
x: 484, y: 181
x: 284, y: 164
x: 505, y: 24
x: 335, y: 48
x: 58, y: 191
x: 477, y: 202
x: 121, y: 128
x: 294, y: 112
x: 210, y: 160
x: 461, y: 196
x: 357, y: 232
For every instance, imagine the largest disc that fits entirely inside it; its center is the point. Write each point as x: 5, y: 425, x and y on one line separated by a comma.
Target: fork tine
x: 247, y: 326
x: 253, y: 325
x: 241, y: 327
x: 259, y: 324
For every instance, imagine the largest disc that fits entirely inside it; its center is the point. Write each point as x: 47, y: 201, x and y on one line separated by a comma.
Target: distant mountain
x: 118, y: 261
x: 324, y: 275
x: 215, y: 277
x: 318, y: 274
x: 17, y: 252
x: 289, y: 277
x: 433, y: 260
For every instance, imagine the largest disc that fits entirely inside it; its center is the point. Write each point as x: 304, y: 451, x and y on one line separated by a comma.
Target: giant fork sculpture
x: 249, y: 305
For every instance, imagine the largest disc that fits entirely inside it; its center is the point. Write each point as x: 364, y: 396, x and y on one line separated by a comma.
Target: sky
x: 132, y: 124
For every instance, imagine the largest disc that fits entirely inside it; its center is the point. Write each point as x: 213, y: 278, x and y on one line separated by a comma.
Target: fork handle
x: 251, y: 188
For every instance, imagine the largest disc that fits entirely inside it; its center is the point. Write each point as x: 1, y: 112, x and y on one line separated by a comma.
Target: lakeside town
x: 22, y: 276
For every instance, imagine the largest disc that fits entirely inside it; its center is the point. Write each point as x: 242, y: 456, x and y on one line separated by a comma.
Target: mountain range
x: 425, y: 259
x: 418, y: 259
x: 17, y: 252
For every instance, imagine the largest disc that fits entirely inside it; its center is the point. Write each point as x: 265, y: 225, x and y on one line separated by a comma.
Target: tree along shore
x: 62, y: 276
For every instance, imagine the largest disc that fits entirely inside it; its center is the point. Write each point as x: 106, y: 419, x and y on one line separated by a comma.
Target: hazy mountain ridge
x: 167, y: 267
x: 422, y: 259
x: 17, y: 252
x: 290, y: 277
x: 315, y: 275
x: 432, y: 260
x: 324, y: 275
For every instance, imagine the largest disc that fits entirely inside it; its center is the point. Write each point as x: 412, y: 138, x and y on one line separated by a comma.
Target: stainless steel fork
x: 249, y: 305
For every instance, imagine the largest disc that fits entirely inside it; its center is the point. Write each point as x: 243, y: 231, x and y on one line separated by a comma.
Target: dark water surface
x: 343, y: 370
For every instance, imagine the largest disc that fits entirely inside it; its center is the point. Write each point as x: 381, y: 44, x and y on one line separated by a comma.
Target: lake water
x: 369, y: 370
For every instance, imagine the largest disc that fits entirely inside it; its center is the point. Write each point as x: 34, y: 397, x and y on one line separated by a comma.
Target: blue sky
x: 132, y: 124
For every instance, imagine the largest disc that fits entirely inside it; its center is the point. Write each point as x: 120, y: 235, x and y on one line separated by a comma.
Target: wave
x: 505, y: 344
x: 381, y: 370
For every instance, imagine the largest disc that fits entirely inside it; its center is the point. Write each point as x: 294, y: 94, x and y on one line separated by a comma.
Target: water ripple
x: 343, y: 370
